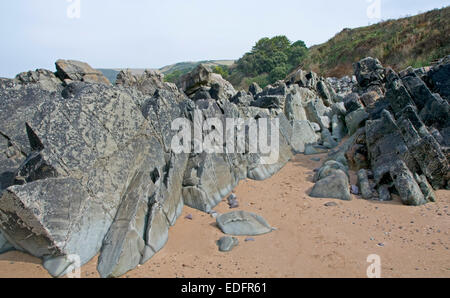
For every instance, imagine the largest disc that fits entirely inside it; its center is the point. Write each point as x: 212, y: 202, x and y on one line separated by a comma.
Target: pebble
x: 249, y: 239
x: 189, y: 216
x: 354, y: 190
x: 331, y: 204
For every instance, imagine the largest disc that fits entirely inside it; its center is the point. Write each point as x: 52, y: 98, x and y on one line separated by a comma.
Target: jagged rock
x: 342, y: 86
x: 254, y: 89
x: 423, y: 147
x: 396, y: 93
x: 416, y: 88
x: 242, y: 99
x: 302, y: 134
x: 79, y: 71
x: 19, y: 103
x: 369, y: 98
x: 147, y: 83
x: 326, y: 93
x: 44, y: 78
x: 352, y: 103
x: 299, y: 78
x: 241, y: 223
x: 369, y: 71
x: 317, y: 112
x: 335, y: 186
x: 83, y: 159
x: 439, y: 78
x: 355, y: 120
x: 327, y: 139
x: 202, y: 76
x: 338, y: 127
x: 425, y: 187
x: 364, y: 185
x: 226, y: 244
x: 407, y: 187
x: 293, y: 107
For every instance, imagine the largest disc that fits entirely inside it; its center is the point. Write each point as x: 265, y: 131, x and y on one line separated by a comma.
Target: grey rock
x: 240, y: 223
x: 147, y: 82
x: 364, y: 185
x: 335, y: 186
x: 355, y: 120
x: 329, y: 168
x: 407, y: 187
x: 302, y: 134
x: 226, y: 244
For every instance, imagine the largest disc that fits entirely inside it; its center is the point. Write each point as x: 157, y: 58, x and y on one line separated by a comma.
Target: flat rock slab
x: 241, y: 223
x: 227, y: 243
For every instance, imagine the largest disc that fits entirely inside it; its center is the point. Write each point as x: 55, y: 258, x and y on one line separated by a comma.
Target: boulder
x: 364, y: 185
x: 241, y: 223
x: 79, y: 71
x: 369, y: 71
x: 335, y: 186
x: 330, y: 167
x: 302, y: 134
x: 407, y: 187
x: 202, y: 76
x: 355, y: 120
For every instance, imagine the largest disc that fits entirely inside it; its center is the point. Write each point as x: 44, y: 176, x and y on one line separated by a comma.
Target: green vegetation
x: 271, y: 59
x: 414, y: 41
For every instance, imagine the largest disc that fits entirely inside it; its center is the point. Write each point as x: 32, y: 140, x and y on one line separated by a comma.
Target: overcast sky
x: 155, y: 33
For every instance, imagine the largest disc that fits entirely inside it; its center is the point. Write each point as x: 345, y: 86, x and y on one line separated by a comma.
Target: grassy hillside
x: 414, y: 41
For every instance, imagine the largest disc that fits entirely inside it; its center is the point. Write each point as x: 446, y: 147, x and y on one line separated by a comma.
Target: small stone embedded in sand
x: 241, y: 223
x: 331, y: 204
x: 249, y: 239
x: 189, y: 217
x: 315, y: 159
x: 227, y: 243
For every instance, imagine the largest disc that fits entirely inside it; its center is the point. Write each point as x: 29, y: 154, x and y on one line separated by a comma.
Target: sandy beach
x: 311, y: 240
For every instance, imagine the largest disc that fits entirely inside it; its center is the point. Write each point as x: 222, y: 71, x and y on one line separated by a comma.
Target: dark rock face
x: 369, y: 71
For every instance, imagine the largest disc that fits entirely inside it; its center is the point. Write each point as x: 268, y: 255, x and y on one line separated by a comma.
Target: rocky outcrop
x: 203, y: 79
x: 71, y: 70
x: 397, y: 121
x: 88, y: 168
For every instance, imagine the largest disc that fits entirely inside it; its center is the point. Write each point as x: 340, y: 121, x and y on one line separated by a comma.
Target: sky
x: 156, y: 33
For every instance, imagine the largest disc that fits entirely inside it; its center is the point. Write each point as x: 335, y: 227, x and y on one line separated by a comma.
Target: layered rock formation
x: 88, y: 168
x: 399, y: 127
